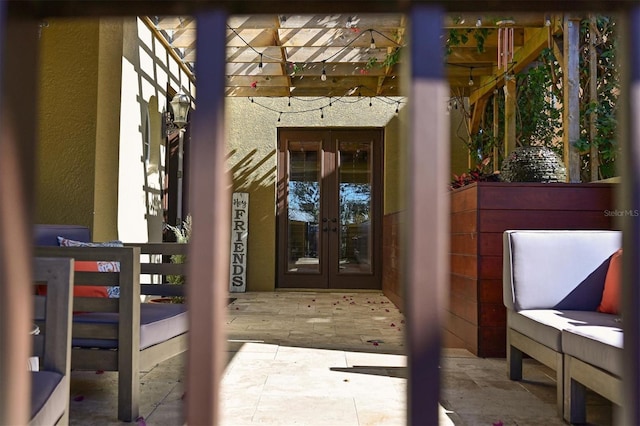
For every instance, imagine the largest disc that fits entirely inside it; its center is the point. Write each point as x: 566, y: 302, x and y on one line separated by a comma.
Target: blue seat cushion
x: 158, y: 322
x: 48, y: 403
x: 47, y: 235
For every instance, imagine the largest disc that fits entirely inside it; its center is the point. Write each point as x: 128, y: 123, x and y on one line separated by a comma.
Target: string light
x: 323, y: 76
x: 343, y: 99
x: 289, y: 103
x: 479, y: 22
x: 471, y: 76
x: 547, y: 21
x: 338, y: 53
x: 370, y: 104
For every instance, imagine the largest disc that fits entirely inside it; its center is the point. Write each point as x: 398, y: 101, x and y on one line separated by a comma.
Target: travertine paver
x: 321, y: 358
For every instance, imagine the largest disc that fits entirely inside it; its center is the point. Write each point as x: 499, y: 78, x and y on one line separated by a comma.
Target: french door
x: 329, y: 208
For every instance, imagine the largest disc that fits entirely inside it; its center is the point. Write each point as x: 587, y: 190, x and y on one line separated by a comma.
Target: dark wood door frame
x: 328, y: 232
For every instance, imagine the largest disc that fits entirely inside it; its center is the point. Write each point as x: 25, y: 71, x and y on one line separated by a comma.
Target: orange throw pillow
x: 610, y: 302
x: 82, y: 290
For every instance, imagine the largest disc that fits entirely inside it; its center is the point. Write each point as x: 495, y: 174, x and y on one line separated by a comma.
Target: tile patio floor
x: 315, y: 358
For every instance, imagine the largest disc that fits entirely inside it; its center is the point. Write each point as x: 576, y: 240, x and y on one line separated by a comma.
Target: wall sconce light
x: 180, y: 105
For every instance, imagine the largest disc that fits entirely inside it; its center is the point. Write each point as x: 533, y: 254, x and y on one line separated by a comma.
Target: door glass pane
x: 303, y: 207
x: 354, y: 178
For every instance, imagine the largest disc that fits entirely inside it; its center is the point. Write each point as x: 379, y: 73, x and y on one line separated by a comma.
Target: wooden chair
x: 52, y: 346
x: 122, y: 334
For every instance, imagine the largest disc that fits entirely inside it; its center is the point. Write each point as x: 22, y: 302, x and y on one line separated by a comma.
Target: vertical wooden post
x: 211, y: 209
x: 594, y: 158
x: 629, y: 126
x: 427, y: 246
x: 17, y: 154
x: 571, y: 88
x: 496, y: 131
x: 510, y: 105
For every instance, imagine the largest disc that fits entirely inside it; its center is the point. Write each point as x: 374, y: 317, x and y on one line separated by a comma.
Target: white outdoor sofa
x: 552, y: 284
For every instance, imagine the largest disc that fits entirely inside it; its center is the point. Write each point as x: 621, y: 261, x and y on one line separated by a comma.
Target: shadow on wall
x: 244, y: 171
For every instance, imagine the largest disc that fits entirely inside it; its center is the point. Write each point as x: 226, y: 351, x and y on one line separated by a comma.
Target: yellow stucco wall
x: 105, y: 225
x: 103, y: 89
x: 67, y: 131
x: 394, y: 164
x: 458, y: 135
x: 252, y: 161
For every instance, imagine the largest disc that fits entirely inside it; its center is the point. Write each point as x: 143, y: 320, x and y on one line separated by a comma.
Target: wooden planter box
x: 479, y: 214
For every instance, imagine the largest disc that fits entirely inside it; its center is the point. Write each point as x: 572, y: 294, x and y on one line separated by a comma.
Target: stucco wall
x: 252, y: 136
x: 147, y: 70
x: 459, y: 137
x: 67, y: 126
x: 103, y: 91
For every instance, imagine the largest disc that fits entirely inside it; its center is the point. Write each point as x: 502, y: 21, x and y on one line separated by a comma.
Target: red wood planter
x: 479, y: 214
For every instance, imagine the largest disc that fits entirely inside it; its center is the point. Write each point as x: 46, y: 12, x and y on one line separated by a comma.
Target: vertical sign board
x: 239, y: 241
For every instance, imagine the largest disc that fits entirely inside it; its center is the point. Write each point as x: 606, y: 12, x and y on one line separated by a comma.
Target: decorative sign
x: 239, y: 242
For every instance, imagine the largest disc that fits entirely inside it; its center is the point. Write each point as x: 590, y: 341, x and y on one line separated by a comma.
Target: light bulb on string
x: 260, y: 65
x: 289, y: 103
x: 470, y: 76
x: 279, y: 116
x: 323, y: 76
x: 373, y: 42
x: 397, y: 107
x: 479, y: 22
x: 370, y: 104
x: 321, y: 113
x: 329, y: 100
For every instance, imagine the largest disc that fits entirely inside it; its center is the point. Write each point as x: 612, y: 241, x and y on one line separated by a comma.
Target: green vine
x: 460, y: 36
x: 392, y: 58
x: 539, y: 104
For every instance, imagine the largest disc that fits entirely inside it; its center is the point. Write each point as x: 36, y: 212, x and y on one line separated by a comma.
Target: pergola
x: 362, y: 54
x: 426, y: 264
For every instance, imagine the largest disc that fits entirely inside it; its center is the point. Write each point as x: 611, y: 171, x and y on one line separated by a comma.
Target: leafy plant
x: 392, y: 58
x: 183, y: 235
x: 478, y: 174
x: 460, y: 36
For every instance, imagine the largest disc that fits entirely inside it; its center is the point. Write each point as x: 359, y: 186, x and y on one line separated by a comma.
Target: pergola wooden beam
x: 536, y: 41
